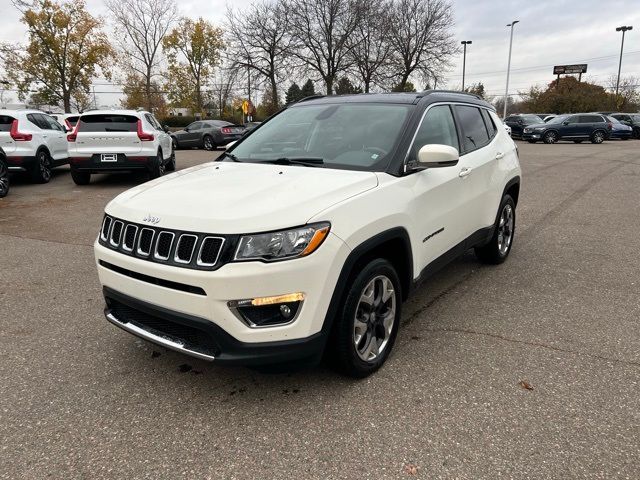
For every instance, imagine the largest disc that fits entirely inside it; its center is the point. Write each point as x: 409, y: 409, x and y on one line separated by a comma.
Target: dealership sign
x: 569, y: 69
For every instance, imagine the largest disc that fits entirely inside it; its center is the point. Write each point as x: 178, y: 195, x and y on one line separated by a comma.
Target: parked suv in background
x: 33, y: 142
x: 578, y: 127
x: 4, y: 175
x: 519, y: 122
x: 108, y: 141
x: 630, y: 119
x: 310, y: 231
x: 207, y: 134
x: 67, y: 120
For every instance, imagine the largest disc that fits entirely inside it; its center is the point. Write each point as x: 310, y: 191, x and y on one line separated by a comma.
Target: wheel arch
x: 393, y: 245
x: 512, y: 188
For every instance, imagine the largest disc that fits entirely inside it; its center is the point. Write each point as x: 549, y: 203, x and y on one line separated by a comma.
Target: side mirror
x: 229, y: 145
x: 186, y: 129
x: 566, y: 122
x: 165, y: 128
x: 437, y: 156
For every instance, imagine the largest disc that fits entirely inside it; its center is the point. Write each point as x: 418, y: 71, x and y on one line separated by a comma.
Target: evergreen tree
x: 293, y: 94
x: 345, y: 87
x: 308, y: 89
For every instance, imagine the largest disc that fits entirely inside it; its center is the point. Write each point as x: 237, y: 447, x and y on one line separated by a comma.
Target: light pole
x: 464, y: 59
x: 506, y: 91
x: 622, y: 29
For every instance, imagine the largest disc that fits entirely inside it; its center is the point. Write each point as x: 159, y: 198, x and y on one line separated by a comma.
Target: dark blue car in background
x: 619, y: 130
x: 577, y: 127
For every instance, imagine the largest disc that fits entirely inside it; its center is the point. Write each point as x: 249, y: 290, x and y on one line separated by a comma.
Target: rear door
x: 192, y: 137
x: 108, y: 133
x: 6, y: 142
x: 571, y: 127
x: 56, y: 138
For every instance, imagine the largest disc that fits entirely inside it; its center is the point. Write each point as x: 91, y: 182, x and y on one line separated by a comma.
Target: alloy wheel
x: 375, y: 318
x: 208, y: 143
x: 551, y: 137
x: 598, y: 137
x: 44, y: 164
x: 505, y: 230
x: 4, y: 179
x: 160, y: 165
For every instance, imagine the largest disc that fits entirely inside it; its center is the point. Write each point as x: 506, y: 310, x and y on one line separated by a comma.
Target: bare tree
x: 370, y: 47
x: 257, y: 39
x: 421, y: 38
x: 320, y: 31
x: 223, y: 88
x: 143, y: 25
x: 628, y: 92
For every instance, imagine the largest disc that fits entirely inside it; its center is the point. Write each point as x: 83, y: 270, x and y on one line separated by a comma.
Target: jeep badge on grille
x: 151, y: 219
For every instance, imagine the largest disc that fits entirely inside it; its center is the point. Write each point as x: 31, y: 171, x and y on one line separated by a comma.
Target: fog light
x: 268, y: 311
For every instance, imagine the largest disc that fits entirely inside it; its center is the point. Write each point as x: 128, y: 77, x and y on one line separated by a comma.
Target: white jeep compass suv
x: 33, y: 142
x: 109, y: 141
x: 304, y: 237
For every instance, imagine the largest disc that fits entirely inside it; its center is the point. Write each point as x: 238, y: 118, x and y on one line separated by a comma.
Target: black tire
x: 208, y: 143
x: 158, y: 167
x: 578, y: 141
x: 636, y: 133
x: 80, y: 178
x: 345, y: 356
x: 550, y: 137
x: 494, y: 252
x: 174, y: 143
x: 171, y: 165
x: 598, y: 137
x: 4, y: 178
x: 41, y: 172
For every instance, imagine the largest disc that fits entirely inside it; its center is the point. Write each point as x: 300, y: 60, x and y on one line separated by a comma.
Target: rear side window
x: 474, y: 132
x: 491, y: 126
x: 195, y: 126
x: 108, y: 123
x: 38, y: 121
x: 591, y: 119
x: 5, y: 123
x: 437, y: 127
x: 72, y: 120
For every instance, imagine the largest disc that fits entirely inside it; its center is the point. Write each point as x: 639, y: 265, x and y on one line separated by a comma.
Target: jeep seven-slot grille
x: 160, y: 245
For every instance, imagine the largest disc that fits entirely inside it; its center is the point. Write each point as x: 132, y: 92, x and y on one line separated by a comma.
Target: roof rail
x: 454, y: 91
x: 310, y: 97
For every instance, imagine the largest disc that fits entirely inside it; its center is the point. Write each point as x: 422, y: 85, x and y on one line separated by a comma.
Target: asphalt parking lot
x: 81, y: 399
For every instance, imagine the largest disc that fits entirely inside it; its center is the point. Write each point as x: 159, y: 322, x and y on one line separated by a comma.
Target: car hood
x: 536, y: 125
x: 179, y: 132
x: 228, y: 198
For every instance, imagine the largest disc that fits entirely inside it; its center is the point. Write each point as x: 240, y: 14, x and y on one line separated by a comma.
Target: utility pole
x: 506, y: 91
x: 249, y: 115
x: 464, y: 59
x: 622, y: 29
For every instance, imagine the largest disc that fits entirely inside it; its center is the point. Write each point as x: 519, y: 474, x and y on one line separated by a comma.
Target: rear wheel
x: 41, y: 172
x: 368, y: 321
x: 550, y: 137
x: 157, y: 169
x: 498, y: 248
x: 597, y: 137
x: 636, y: 133
x: 80, y: 178
x: 4, y: 179
x: 208, y: 143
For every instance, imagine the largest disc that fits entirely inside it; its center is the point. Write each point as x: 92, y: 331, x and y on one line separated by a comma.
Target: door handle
x: 464, y: 172
x: 499, y: 155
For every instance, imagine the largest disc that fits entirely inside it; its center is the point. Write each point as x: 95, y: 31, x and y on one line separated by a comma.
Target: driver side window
x: 437, y: 127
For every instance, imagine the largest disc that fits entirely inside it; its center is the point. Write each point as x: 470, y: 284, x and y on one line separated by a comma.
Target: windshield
x: 613, y: 120
x: 349, y: 136
x: 531, y: 119
x: 558, y: 119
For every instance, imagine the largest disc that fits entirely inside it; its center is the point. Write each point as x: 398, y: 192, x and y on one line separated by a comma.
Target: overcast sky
x: 550, y: 32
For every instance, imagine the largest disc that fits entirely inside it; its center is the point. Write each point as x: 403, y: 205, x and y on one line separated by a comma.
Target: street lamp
x: 506, y: 91
x: 464, y: 59
x: 622, y: 29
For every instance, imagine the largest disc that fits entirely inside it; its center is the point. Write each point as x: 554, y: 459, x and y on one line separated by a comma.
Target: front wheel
x: 368, y: 321
x: 41, y: 172
x: 498, y: 248
x: 4, y: 179
x: 550, y: 137
x: 597, y: 137
x: 157, y: 169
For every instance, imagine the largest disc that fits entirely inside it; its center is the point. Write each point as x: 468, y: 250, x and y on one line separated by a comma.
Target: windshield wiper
x: 229, y: 155
x: 306, y: 161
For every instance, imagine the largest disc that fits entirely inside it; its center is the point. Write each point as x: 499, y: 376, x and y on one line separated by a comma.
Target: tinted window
x: 152, y: 120
x: 347, y: 136
x: 473, y: 128
x: 5, y: 123
x: 438, y: 127
x: 531, y: 119
x: 591, y: 119
x: 195, y: 126
x: 37, y: 121
x: 108, y: 123
x: 491, y: 126
x: 511, y: 118
x: 72, y: 120
x: 53, y: 124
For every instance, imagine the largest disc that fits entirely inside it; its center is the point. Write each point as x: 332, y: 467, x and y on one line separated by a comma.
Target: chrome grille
x: 185, y: 247
x: 163, y: 245
x: 194, y: 250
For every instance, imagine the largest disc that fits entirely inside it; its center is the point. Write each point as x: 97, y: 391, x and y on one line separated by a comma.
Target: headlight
x: 539, y: 129
x: 285, y: 244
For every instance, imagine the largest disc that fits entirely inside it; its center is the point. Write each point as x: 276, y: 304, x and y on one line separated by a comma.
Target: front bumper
x: 205, y: 301
x: 532, y: 136
x: 94, y: 163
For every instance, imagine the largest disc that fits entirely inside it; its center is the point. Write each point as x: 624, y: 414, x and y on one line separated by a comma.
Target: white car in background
x: 33, y: 142
x: 111, y: 141
x: 67, y: 120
